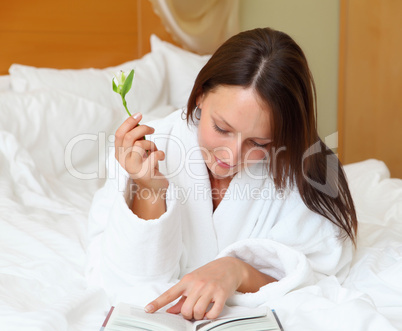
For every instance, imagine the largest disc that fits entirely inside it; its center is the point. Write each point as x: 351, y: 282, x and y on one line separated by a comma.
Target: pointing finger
x: 167, y: 297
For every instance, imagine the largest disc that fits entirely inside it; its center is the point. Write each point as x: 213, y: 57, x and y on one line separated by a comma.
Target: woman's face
x: 234, y: 129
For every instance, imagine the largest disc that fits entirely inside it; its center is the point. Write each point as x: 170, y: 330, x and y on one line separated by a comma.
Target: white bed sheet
x: 44, y: 202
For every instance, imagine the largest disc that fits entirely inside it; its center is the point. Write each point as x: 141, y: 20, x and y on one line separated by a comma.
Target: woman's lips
x: 223, y: 164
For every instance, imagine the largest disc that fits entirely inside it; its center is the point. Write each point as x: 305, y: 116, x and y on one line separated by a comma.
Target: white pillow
x: 5, y: 83
x: 46, y: 123
x: 182, y: 69
x: 148, y: 92
x: 67, y: 137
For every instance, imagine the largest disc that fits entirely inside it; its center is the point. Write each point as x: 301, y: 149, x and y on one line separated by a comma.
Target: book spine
x: 277, y: 319
x: 106, y: 319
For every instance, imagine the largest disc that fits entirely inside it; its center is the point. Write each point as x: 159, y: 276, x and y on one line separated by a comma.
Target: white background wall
x: 314, y: 25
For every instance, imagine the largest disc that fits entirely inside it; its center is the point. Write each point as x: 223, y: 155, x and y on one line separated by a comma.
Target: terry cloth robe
x: 272, y: 231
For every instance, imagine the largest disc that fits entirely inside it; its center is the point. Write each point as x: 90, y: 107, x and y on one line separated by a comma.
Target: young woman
x: 240, y: 200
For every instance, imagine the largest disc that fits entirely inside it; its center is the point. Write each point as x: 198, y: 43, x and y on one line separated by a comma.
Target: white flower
x: 119, y: 78
x: 122, y: 84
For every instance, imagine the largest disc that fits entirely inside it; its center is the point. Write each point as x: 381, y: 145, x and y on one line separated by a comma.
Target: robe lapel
x: 206, y: 233
x: 198, y: 229
x: 238, y: 212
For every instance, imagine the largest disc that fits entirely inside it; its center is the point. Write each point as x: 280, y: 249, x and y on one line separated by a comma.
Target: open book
x: 125, y: 317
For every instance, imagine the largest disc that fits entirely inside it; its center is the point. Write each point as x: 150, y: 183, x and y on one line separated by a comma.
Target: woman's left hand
x: 213, y: 283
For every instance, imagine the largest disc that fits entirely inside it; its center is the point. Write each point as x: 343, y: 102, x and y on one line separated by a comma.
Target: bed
x: 56, y: 129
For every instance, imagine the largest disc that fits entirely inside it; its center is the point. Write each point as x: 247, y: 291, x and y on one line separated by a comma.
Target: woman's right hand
x: 139, y: 157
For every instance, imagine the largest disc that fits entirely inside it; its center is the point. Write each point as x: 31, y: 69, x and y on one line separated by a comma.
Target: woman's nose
x: 233, y: 151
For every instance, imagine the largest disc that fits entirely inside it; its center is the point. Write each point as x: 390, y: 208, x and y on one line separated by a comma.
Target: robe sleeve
x: 124, y: 249
x: 301, y: 248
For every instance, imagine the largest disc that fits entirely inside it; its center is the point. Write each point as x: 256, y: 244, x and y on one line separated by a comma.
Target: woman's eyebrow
x: 225, y: 122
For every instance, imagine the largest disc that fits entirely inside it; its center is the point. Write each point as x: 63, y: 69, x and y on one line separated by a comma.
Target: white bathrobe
x: 274, y: 232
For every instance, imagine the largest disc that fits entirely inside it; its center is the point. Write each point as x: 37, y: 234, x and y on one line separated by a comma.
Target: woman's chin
x: 219, y: 172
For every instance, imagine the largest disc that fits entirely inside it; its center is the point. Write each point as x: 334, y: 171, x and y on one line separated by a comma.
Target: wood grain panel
x: 67, y: 50
x: 76, y: 33
x: 70, y: 15
x: 370, y: 82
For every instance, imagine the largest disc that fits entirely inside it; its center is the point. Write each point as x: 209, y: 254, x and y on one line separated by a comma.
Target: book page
x: 130, y: 317
x: 126, y: 315
x: 246, y: 324
x: 236, y: 315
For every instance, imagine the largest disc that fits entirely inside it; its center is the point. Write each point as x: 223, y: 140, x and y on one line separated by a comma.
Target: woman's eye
x: 218, y: 129
x: 259, y: 145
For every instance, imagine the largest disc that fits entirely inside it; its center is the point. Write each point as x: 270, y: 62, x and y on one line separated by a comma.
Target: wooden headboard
x: 370, y: 82
x: 76, y: 33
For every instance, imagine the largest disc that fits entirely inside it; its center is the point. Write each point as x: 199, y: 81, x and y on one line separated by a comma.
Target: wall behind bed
x: 314, y: 25
x: 75, y: 33
x: 355, y: 54
x: 370, y: 82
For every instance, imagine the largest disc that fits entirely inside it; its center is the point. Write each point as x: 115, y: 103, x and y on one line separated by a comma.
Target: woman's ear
x: 199, y: 100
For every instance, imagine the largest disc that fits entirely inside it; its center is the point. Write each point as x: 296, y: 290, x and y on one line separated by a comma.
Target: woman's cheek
x: 255, y: 154
x: 208, y: 139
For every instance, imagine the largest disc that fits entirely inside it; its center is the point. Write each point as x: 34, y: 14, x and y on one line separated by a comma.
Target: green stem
x: 125, y: 105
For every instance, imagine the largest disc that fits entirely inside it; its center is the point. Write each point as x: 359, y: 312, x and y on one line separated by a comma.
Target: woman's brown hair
x: 271, y: 63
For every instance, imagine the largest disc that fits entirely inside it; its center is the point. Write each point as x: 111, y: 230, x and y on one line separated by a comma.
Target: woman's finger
x: 177, y: 307
x: 131, y: 159
x: 154, y: 158
x: 187, y: 309
x: 216, y: 309
x: 140, y: 150
x: 146, y: 145
x: 136, y: 134
x: 129, y: 124
x: 167, y: 297
x: 200, y: 308
x: 147, y: 168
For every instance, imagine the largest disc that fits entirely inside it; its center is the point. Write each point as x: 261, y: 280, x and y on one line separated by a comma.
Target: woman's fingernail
x: 136, y: 116
x: 149, y: 308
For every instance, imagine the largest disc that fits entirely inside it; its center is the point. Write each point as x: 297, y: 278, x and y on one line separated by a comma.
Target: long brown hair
x: 271, y: 63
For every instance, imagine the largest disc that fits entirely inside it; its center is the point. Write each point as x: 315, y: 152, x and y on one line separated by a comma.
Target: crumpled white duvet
x: 52, y: 155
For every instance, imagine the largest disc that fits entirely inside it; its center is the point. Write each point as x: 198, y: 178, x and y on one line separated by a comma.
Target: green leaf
x: 114, y: 86
x: 127, y: 83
